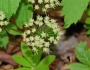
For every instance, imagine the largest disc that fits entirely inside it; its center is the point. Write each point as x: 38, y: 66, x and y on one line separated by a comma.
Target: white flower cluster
x: 2, y: 21
x: 41, y: 33
x: 45, y: 4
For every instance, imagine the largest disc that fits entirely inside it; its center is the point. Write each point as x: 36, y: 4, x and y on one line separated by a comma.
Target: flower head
x: 45, y: 4
x: 46, y: 50
x: 42, y: 33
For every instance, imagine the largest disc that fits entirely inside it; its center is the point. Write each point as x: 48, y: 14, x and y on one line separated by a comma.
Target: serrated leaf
x: 87, y: 21
x: 25, y: 13
x: 78, y: 66
x: 23, y: 69
x: 45, y: 62
x: 9, y: 7
x: 82, y: 53
x: 3, y: 39
x: 22, y: 61
x: 73, y: 10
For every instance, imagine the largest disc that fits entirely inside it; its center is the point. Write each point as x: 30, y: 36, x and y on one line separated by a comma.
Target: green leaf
x: 9, y: 7
x: 87, y: 26
x: 45, y: 62
x: 3, y: 39
x: 37, y: 56
x: 82, y: 53
x: 12, y: 31
x: 24, y: 13
x: 88, y: 32
x: 22, y: 61
x: 44, y: 68
x: 23, y: 69
x: 12, y: 26
x: 73, y: 10
x: 26, y: 51
x: 33, y: 58
x: 87, y: 21
x: 88, y: 11
x: 78, y: 66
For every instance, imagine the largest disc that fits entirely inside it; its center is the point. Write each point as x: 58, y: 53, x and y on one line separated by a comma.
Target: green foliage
x: 24, y: 13
x: 73, y: 10
x: 12, y: 29
x: 83, y: 55
x: 31, y: 60
x: 3, y: 39
x: 87, y: 25
x: 9, y: 7
x: 78, y: 66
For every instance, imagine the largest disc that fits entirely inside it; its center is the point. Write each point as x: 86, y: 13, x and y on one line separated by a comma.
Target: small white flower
x: 47, y: 6
x: 54, y: 26
x: 55, y: 31
x: 41, y: 23
x: 28, y: 32
x: 31, y: 38
x: 2, y: 15
x: 57, y: 3
x: 44, y: 10
x: 37, y: 43
x: 33, y: 30
x: 28, y: 43
x: 52, y: 5
x: 46, y: 1
x: 30, y: 24
x: 51, y: 39
x: 47, y: 18
x: 26, y: 25
x: 43, y: 34
x: 58, y: 37
x: 55, y: 42
x: 40, y: 46
x: 33, y: 44
x: 60, y: 33
x: 42, y: 41
x: 39, y: 18
x: 49, y: 25
x: 51, y: 1
x: 37, y: 22
x: 53, y: 21
x: 0, y: 29
x: 1, y: 23
x: 27, y: 40
x: 37, y: 37
x: 46, y: 50
x: 36, y: 7
x: 34, y: 49
x: 31, y: 20
x: 47, y: 44
x: 40, y: 1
